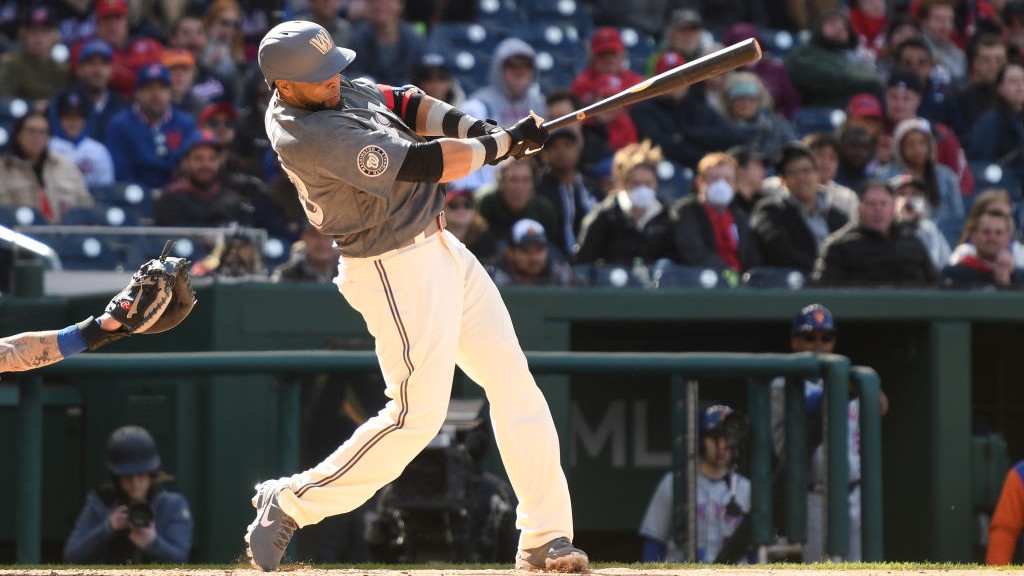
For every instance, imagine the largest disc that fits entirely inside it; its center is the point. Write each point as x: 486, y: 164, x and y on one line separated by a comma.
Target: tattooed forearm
x: 29, y: 350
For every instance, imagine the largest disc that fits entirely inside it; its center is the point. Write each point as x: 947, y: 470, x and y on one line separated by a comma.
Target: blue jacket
x: 148, y: 155
x: 93, y: 542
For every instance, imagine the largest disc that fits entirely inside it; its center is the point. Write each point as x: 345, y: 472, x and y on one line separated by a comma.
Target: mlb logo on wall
x: 372, y: 161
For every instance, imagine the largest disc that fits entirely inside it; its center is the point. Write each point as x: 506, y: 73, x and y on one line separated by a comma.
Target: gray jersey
x: 344, y: 163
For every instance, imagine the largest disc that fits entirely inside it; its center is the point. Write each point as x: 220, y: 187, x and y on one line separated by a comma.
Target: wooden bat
x: 718, y: 62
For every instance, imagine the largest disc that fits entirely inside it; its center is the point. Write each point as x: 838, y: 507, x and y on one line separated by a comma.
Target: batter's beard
x: 317, y: 106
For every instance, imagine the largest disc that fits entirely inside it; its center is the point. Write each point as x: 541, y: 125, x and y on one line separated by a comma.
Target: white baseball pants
x: 430, y: 306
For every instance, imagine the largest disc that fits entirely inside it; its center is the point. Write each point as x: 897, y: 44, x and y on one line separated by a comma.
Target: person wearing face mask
x: 630, y: 224
x: 912, y: 209
x: 706, y: 229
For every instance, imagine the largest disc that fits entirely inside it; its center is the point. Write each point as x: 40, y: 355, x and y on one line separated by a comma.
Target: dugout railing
x: 835, y: 370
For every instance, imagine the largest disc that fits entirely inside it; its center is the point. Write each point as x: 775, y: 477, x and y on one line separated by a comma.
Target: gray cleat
x: 269, y: 534
x: 558, y: 555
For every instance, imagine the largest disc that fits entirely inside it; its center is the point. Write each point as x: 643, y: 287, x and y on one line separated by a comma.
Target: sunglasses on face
x: 461, y: 205
x: 812, y: 337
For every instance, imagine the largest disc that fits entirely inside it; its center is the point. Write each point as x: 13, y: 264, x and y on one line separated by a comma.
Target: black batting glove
x: 528, y: 137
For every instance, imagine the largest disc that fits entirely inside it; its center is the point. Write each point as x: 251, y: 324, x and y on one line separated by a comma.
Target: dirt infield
x: 301, y: 570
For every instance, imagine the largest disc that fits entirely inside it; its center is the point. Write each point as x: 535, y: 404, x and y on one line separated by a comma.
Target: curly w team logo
x: 322, y: 42
x: 372, y: 161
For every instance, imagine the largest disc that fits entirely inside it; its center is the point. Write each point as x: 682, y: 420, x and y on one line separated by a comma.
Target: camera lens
x: 140, y: 515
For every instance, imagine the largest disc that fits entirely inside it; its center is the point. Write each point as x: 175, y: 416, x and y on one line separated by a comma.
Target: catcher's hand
x: 158, y: 297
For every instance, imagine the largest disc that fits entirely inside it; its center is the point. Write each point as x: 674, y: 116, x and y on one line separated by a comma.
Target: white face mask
x: 719, y: 193
x: 641, y: 196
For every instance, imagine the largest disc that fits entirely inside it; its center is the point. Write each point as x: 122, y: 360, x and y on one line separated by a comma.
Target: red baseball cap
x: 669, y: 60
x: 864, y: 105
x: 454, y: 193
x: 606, y: 40
x: 106, y: 8
x: 607, y: 84
x: 210, y: 110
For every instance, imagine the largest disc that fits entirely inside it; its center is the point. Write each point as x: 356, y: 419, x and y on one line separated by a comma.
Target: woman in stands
x: 31, y: 175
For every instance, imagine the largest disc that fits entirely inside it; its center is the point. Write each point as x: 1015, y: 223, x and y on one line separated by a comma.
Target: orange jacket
x: 1008, y: 519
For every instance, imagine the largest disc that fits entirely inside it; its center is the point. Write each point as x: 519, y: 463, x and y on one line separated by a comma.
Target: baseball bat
x: 713, y: 64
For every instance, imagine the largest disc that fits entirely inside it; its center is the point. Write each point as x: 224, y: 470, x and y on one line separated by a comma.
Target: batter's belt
x: 436, y: 225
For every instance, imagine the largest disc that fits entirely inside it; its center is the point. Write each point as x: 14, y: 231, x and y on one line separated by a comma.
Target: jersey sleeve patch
x: 372, y: 161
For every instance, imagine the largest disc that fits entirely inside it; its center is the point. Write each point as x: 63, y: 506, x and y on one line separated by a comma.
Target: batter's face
x: 313, y: 96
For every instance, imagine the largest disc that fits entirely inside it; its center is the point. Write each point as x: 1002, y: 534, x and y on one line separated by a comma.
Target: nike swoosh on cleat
x: 263, y: 519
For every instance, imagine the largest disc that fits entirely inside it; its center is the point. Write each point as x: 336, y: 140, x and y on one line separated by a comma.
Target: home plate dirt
x: 304, y: 570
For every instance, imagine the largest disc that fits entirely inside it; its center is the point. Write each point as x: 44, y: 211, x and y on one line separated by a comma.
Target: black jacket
x: 782, y: 236
x: 610, y: 236
x: 693, y: 237
x: 583, y: 202
x: 963, y: 276
x: 858, y: 255
x: 685, y: 129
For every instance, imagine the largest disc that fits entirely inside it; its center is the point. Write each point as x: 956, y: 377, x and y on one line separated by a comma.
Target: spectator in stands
x: 32, y: 175
x: 251, y: 146
x: 866, y: 110
x: 683, y: 34
x: 870, y: 19
x: 986, y: 56
x: 913, y: 152
x: 223, y: 53
x: 992, y: 263
x: 900, y: 28
x: 825, y: 147
x: 511, y: 93
x: 825, y: 70
x: 434, y: 76
x: 595, y: 148
x: 815, y: 330
x: 998, y: 135
x: 750, y: 173
x: 189, y: 33
x: 723, y: 497
x: 219, y: 120
x: 1007, y: 523
x: 132, y: 519
x: 648, y: 18
x: 615, y: 127
x: 913, y: 211
x: 30, y: 72
x: 562, y: 183
x: 874, y: 249
x: 630, y: 224
x: 513, y: 198
x: 720, y: 14
x: 92, y: 80
x: 235, y: 256
x: 327, y: 14
x: 148, y: 140
x: 526, y: 260
x: 749, y: 108
x: 707, y: 228
x: 769, y: 69
x: 903, y: 95
x: 992, y: 200
x: 466, y: 224
x: 937, y: 19
x: 856, y: 154
x: 129, y: 54
x: 791, y: 226
x: 1013, y: 29
x: 388, y: 47
x: 70, y: 140
x: 198, y: 196
x: 313, y: 259
x: 937, y: 95
x: 681, y: 123
x: 608, y: 56
x: 182, y: 68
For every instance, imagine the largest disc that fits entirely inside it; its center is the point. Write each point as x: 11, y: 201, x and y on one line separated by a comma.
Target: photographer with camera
x: 723, y: 496
x: 132, y: 519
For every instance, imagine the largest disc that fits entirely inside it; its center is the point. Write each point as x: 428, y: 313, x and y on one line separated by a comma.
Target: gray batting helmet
x: 301, y: 51
x: 132, y: 450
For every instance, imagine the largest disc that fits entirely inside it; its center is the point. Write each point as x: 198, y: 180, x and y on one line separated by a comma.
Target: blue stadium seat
x: 497, y: 15
x: 144, y: 248
x: 811, y: 119
x: 12, y: 216
x: 772, y: 277
x: 674, y: 180
x: 610, y: 275
x: 99, y: 215
x: 448, y: 37
x: 275, y: 252
x: 995, y: 175
x: 777, y: 42
x: 559, y: 53
x: 137, y: 201
x: 82, y: 251
x: 640, y: 47
x: 668, y: 275
x: 568, y: 14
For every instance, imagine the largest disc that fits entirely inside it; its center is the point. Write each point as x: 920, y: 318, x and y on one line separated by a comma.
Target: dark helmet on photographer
x: 131, y: 450
x: 301, y: 51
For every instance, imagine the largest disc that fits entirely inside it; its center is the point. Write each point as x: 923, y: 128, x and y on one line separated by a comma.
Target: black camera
x: 140, y: 515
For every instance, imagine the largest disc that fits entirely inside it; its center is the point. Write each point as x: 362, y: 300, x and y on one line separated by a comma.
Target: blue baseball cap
x: 153, y: 73
x: 712, y: 418
x: 814, y: 318
x: 301, y: 51
x: 96, y: 47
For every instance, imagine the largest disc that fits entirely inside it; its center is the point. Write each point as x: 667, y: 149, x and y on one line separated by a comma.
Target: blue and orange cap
x: 814, y: 318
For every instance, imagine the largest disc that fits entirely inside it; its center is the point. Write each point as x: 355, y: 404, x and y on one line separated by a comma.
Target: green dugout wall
x: 946, y: 360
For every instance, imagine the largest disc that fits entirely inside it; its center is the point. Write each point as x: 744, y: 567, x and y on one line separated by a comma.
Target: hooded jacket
x: 826, y: 74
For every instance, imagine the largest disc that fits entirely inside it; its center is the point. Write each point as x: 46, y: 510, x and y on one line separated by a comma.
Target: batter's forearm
x: 29, y: 350
x: 461, y: 157
x: 438, y: 118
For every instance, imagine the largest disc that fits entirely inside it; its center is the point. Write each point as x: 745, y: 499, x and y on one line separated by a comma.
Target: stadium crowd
x: 875, y: 143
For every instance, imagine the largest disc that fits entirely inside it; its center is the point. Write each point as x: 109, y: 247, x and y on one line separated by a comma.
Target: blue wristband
x: 70, y: 341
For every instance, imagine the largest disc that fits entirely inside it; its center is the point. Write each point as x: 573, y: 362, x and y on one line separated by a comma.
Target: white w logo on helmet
x: 322, y: 42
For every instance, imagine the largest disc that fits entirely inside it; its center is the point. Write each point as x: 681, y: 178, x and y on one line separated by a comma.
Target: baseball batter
x: 357, y: 155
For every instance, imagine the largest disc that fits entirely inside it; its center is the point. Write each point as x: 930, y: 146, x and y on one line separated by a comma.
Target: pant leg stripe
x: 403, y: 393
